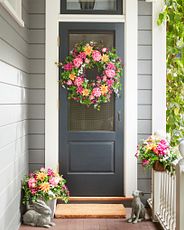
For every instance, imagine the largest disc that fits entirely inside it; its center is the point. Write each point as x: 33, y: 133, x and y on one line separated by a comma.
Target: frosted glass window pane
x: 107, y: 5
x: 82, y: 118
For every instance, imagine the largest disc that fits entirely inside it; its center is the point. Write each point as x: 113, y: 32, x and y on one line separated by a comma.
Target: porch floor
x: 99, y: 224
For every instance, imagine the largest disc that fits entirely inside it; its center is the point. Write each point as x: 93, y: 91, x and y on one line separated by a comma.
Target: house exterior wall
x: 14, y: 69
x: 37, y: 84
x: 144, y: 86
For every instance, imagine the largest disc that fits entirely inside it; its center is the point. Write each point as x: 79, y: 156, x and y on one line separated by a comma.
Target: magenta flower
x: 96, y: 92
x: 77, y: 62
x: 110, y: 82
x: 104, y: 78
x: 91, y: 97
x: 50, y: 172
x: 96, y: 55
x: 78, y: 81
x: 110, y: 73
x: 162, y: 147
x: 79, y: 90
x: 111, y: 66
x: 82, y: 55
x: 145, y: 162
x: 68, y: 66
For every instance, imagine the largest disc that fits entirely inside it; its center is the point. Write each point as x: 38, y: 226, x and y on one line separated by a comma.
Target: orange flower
x: 72, y: 76
x: 104, y: 89
x: 105, y: 58
x: 85, y: 92
x: 41, y: 176
x: 88, y: 49
x: 45, y: 187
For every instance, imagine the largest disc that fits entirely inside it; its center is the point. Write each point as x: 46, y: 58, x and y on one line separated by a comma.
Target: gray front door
x: 91, y: 141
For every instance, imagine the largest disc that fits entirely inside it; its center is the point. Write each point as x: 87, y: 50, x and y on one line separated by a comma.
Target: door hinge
x: 58, y: 41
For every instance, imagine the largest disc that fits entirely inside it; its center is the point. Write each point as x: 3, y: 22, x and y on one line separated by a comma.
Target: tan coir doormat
x: 90, y: 211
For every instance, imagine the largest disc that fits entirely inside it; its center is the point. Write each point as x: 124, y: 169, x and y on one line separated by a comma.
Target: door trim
x: 130, y: 100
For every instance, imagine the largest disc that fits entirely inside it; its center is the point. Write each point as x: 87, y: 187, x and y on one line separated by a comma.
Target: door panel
x: 91, y: 141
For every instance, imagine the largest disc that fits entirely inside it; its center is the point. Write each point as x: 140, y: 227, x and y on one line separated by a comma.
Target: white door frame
x: 130, y: 19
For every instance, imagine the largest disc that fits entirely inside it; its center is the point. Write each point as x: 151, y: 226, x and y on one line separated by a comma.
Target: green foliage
x: 173, y: 13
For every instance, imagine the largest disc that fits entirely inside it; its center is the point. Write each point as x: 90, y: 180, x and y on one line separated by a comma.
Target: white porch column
x: 130, y: 108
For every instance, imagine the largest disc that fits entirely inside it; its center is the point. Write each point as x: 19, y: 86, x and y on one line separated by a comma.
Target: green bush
x: 173, y: 14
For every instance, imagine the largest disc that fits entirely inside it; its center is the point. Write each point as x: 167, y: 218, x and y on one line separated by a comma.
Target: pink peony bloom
x: 104, y: 50
x: 77, y: 62
x: 145, y: 162
x: 111, y: 66
x: 78, y: 81
x: 82, y: 55
x: 54, y: 181
x: 32, y: 183
x: 96, y: 92
x: 79, y: 90
x: 96, y: 55
x: 68, y: 66
x: 110, y: 73
x: 69, y: 82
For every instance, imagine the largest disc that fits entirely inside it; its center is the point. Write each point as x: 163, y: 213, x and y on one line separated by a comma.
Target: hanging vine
x: 173, y: 14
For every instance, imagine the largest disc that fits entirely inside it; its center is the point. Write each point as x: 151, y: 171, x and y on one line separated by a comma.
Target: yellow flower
x: 41, y: 176
x: 85, y: 92
x: 104, y: 89
x: 88, y: 49
x: 45, y: 187
x: 72, y: 76
x: 105, y: 58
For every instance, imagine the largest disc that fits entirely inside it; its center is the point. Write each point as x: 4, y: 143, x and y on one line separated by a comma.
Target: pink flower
x: 111, y: 66
x: 96, y: 55
x: 110, y: 73
x: 68, y: 66
x: 54, y: 181
x: 32, y: 183
x: 69, y: 82
x: 96, y: 92
x: 145, y: 162
x: 79, y: 90
x: 50, y: 172
x: 104, y: 50
x: 87, y: 61
x: 78, y: 81
x: 82, y: 55
x: 33, y: 191
x: 104, y: 78
x: 110, y: 82
x: 77, y: 62
x: 91, y: 97
x: 162, y: 147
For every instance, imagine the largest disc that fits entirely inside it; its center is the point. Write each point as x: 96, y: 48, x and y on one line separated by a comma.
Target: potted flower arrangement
x: 44, y: 184
x: 156, y: 153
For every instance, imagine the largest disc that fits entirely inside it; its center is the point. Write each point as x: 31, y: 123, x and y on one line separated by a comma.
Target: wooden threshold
x: 85, y: 198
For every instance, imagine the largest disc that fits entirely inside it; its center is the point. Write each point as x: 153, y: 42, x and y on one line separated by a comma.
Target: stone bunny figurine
x: 39, y: 214
x: 138, y: 210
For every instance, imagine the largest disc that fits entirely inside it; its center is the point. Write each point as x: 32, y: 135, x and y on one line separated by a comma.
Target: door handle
x: 119, y: 116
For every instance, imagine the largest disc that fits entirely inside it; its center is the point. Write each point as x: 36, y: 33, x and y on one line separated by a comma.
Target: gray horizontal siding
x: 144, y: 87
x: 36, y: 92
x: 14, y: 68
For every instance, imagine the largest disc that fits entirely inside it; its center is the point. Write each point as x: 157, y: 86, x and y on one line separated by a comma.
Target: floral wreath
x: 88, y: 55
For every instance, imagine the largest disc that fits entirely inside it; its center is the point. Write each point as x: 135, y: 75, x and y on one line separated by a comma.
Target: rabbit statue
x: 38, y: 215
